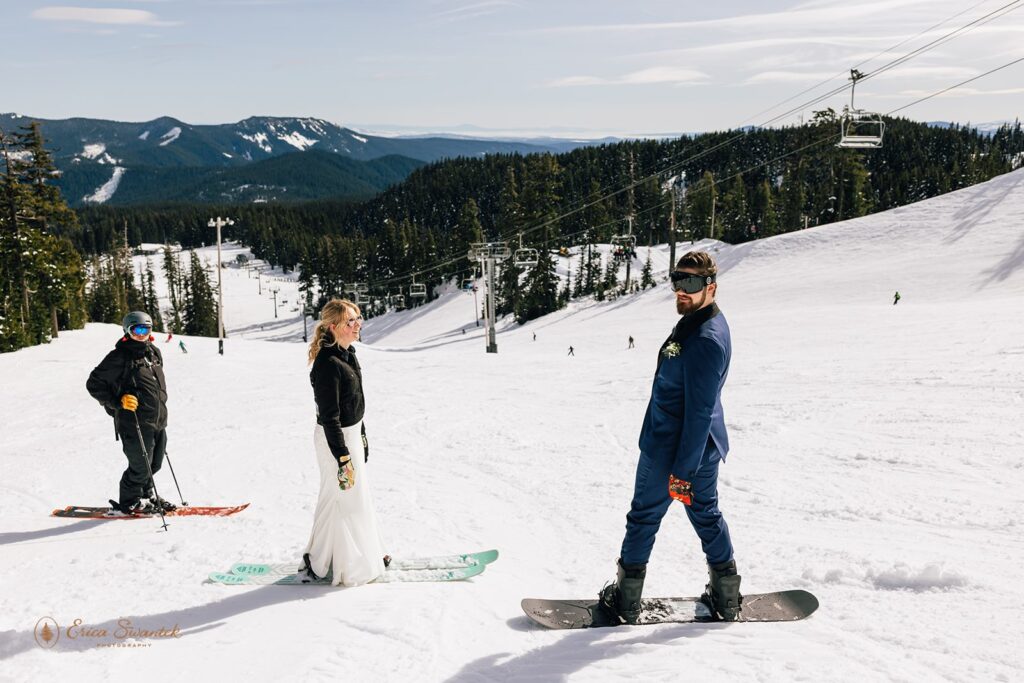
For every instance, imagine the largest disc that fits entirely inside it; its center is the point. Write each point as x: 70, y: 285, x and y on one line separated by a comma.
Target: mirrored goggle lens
x: 691, y: 284
x: 140, y: 329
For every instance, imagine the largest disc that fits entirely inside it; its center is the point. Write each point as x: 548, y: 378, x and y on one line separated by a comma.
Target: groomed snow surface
x: 877, y: 461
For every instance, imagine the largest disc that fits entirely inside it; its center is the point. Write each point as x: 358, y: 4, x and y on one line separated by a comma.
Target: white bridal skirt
x: 345, y: 538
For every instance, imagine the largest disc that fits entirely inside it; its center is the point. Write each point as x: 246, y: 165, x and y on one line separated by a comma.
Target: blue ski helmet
x: 136, y: 318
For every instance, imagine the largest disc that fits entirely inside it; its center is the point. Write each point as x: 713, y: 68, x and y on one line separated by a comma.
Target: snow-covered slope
x: 878, y: 461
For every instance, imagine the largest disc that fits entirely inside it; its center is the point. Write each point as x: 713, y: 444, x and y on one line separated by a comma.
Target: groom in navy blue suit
x: 682, y: 442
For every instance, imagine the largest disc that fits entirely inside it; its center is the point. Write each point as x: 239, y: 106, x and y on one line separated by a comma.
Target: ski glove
x: 346, y: 473
x: 129, y: 402
x: 680, y: 490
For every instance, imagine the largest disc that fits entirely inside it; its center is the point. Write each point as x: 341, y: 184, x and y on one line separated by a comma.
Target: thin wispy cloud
x: 795, y: 20
x: 474, y: 10
x: 96, y: 15
x: 788, y: 77
x: 653, y: 75
x: 761, y: 44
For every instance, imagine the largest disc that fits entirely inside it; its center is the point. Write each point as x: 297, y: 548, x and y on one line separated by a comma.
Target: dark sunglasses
x: 140, y: 330
x: 690, y: 283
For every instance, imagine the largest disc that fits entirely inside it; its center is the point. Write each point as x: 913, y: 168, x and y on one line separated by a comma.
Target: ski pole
x: 168, y: 459
x: 149, y: 469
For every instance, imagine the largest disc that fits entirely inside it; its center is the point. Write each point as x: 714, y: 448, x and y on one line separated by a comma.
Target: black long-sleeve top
x: 136, y: 368
x: 338, y: 389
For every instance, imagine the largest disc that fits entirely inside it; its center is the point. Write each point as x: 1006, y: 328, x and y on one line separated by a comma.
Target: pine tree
x: 175, y: 289
x: 699, y: 203
x: 541, y: 295
x: 735, y: 212
x: 762, y: 209
x: 646, y: 275
x: 151, y: 301
x: 200, y: 303
x: 611, y: 275
x: 42, y: 278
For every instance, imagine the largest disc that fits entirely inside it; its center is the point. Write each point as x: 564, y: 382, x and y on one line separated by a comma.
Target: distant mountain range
x: 987, y: 128
x: 257, y: 159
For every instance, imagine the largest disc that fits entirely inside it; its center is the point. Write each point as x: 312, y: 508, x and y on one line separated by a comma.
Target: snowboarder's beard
x: 688, y: 307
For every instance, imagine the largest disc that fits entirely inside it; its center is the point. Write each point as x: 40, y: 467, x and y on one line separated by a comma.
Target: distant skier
x: 630, y: 342
x: 169, y: 336
x: 534, y: 336
x: 129, y: 383
x: 344, y: 542
x: 181, y: 345
x: 896, y: 299
x: 571, y: 352
x: 682, y: 441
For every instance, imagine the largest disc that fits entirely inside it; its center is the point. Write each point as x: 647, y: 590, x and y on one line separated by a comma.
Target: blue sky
x: 573, y: 67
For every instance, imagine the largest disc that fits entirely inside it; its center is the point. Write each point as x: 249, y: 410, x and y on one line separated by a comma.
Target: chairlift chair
x: 397, y: 301
x: 858, y: 128
x: 418, y: 291
x: 627, y: 242
x: 526, y: 257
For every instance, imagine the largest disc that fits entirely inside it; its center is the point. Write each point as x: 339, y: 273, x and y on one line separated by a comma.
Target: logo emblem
x: 47, y: 632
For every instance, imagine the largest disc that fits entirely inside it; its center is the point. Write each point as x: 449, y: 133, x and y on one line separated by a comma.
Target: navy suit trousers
x: 651, y: 501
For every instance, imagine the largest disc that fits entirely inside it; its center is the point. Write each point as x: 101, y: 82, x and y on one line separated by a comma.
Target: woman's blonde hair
x: 334, y: 312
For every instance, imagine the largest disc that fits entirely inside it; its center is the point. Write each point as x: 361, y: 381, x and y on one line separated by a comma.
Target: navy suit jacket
x: 684, y: 420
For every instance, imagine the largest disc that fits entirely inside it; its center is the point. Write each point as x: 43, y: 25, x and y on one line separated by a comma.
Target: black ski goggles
x: 690, y: 283
x: 140, y: 330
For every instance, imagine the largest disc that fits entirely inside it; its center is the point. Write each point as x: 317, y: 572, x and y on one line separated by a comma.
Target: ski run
x: 877, y: 461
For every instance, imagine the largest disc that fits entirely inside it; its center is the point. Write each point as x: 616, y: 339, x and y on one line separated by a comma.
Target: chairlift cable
x: 991, y: 16
x: 997, y: 13
x: 869, y: 59
x: 945, y: 90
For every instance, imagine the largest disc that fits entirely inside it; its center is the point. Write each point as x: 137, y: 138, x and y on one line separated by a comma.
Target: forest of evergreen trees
x: 734, y: 186
x: 45, y: 284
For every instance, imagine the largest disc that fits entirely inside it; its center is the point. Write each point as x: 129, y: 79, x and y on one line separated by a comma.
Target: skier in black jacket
x: 129, y: 383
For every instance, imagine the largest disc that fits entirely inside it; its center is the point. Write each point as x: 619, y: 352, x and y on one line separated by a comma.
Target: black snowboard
x: 789, y: 605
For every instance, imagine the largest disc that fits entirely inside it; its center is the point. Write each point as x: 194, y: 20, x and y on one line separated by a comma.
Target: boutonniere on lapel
x: 671, y: 350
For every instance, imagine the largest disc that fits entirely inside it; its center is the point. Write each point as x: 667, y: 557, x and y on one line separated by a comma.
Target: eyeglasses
x: 140, y: 330
x: 690, y: 283
x: 351, y: 322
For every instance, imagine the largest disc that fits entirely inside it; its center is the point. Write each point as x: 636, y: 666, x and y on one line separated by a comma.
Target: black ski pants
x: 135, y: 481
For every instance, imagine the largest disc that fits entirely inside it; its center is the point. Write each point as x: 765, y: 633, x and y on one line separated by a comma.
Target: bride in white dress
x: 345, y: 543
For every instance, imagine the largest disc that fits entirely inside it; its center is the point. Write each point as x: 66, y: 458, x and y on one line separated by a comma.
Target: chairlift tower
x: 219, y: 223
x: 627, y: 243
x: 489, y: 254
x: 859, y: 129
x: 677, y: 187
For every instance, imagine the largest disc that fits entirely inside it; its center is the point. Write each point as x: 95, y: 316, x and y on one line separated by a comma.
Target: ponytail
x: 334, y: 312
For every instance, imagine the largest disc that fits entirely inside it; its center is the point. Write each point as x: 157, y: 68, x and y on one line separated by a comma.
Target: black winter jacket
x: 135, y: 368
x: 338, y: 389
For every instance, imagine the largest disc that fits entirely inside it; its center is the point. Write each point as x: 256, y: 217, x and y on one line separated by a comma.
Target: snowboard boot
x: 621, y: 599
x: 722, y: 595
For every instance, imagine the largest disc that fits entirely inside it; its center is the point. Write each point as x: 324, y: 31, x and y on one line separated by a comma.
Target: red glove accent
x: 680, y: 490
